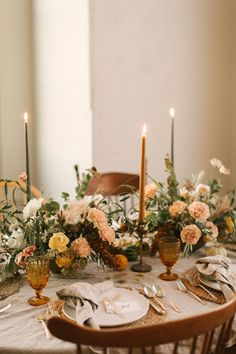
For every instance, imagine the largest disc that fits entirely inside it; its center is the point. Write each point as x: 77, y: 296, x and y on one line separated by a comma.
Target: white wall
x: 62, y: 92
x: 148, y: 56
x: 16, y: 94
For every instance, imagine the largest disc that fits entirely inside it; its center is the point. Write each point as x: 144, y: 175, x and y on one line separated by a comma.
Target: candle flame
x: 26, y: 116
x: 144, y: 129
x: 172, y: 112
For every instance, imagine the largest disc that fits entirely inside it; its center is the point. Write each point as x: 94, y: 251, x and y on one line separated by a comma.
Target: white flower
x: 224, y: 171
x: 115, y: 225
x: 96, y: 199
x: 133, y: 215
x: 76, y: 211
x: 4, y: 260
x: 203, y: 189
x: 16, y: 240
x: 185, y: 193
x: 218, y: 164
x: 32, y: 207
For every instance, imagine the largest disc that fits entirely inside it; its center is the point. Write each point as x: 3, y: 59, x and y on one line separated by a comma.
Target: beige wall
x: 62, y: 93
x: 148, y: 56
x: 16, y: 93
x: 233, y: 124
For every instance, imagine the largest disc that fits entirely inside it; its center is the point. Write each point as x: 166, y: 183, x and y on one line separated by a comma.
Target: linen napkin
x: 83, y: 298
x: 215, y: 268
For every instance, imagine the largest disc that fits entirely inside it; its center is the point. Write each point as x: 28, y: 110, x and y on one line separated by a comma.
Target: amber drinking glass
x: 169, y: 248
x: 37, y: 270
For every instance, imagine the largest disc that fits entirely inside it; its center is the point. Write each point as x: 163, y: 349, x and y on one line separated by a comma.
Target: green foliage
x: 51, y: 207
x: 171, y: 180
x: 83, y: 182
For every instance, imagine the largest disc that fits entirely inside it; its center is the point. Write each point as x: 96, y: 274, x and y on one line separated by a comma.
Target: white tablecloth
x: 21, y: 333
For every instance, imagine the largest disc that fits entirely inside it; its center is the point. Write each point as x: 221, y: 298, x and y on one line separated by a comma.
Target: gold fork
x: 42, y: 317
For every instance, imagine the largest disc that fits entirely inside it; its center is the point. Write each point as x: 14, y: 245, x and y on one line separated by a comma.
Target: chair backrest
x: 208, y: 332
x: 14, y: 192
x: 114, y: 184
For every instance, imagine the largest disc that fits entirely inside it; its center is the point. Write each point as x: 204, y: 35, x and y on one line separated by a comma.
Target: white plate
x: 210, y: 283
x: 132, y: 305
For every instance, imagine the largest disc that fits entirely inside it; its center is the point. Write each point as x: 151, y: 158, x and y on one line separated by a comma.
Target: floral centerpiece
x: 194, y: 212
x: 70, y: 236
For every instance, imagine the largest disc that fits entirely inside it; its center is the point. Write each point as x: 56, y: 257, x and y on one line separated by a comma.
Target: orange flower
x: 120, y: 262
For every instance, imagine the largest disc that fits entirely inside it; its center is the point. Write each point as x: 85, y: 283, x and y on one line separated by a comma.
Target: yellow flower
x: 64, y: 260
x: 229, y: 224
x: 58, y: 242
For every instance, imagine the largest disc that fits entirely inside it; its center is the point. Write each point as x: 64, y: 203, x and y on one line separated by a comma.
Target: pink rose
x: 177, y: 208
x: 199, y: 211
x: 190, y: 234
x: 97, y: 217
x: 150, y: 190
x: 81, y: 247
x: 107, y: 234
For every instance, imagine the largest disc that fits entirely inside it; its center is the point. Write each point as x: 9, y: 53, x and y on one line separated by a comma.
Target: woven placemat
x: 10, y: 286
x: 197, y: 290
x: 151, y: 317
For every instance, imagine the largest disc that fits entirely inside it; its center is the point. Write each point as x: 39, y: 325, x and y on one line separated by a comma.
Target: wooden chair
x: 14, y: 192
x: 207, y: 333
x: 114, y: 184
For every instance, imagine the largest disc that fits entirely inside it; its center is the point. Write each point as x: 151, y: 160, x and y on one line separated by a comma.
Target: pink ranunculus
x: 150, y: 190
x: 107, y: 234
x: 81, y: 247
x: 177, y: 208
x: 22, y: 257
x: 29, y: 250
x: 190, y: 234
x: 199, y: 211
x: 213, y: 232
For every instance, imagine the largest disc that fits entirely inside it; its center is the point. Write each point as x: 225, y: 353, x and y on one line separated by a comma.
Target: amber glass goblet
x: 37, y: 270
x: 169, y: 248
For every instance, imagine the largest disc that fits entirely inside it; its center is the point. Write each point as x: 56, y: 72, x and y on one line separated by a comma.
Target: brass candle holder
x: 141, y: 267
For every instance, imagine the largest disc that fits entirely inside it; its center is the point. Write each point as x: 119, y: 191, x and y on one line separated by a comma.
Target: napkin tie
x: 215, y: 268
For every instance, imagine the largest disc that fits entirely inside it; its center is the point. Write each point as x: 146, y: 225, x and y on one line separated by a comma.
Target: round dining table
x: 21, y: 333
